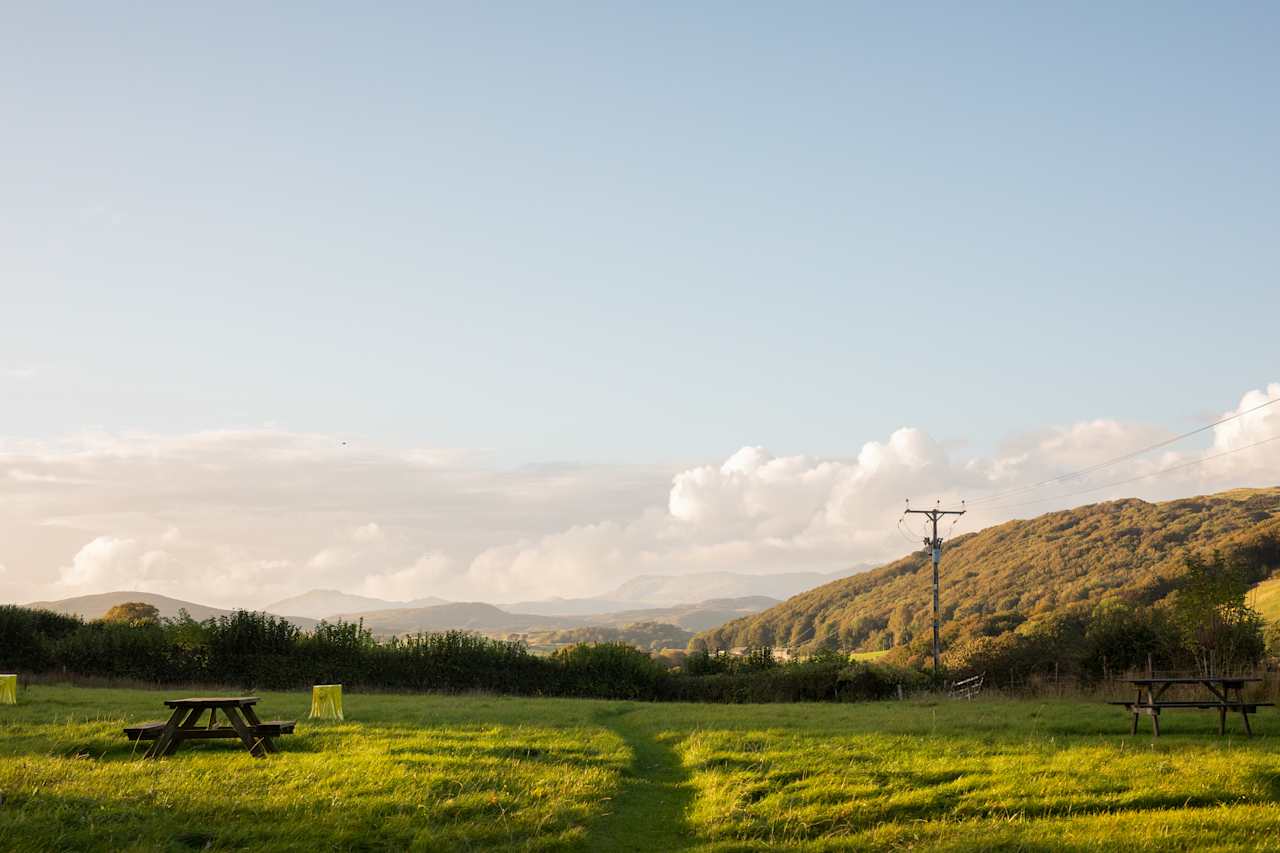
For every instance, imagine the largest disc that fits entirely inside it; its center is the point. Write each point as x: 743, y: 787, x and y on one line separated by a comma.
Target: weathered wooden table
x: 184, y: 724
x: 1220, y: 687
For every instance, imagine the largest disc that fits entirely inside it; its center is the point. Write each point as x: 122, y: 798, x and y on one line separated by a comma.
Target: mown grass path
x: 650, y: 812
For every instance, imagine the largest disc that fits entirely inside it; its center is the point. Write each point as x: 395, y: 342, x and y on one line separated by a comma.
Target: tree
x: 133, y: 613
x: 1215, y: 624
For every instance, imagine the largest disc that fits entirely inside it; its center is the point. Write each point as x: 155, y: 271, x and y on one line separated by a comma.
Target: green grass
x: 478, y: 772
x: 1265, y: 598
x: 869, y: 656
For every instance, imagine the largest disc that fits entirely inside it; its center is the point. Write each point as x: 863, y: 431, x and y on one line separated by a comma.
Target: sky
x: 509, y: 300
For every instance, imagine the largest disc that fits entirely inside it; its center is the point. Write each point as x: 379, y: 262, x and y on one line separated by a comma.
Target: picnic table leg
x: 191, y: 719
x: 1155, y: 722
x: 169, y: 731
x: 1133, y: 724
x: 255, y: 748
x: 1244, y: 712
x: 252, y: 717
x: 1222, y: 720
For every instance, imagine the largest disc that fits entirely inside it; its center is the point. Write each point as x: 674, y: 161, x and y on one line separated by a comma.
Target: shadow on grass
x: 649, y: 812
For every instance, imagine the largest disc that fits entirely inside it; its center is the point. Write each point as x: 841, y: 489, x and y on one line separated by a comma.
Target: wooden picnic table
x: 242, y: 723
x: 1220, y: 688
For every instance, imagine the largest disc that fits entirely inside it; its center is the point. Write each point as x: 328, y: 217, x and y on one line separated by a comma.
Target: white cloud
x: 104, y: 561
x: 236, y: 517
x: 425, y: 573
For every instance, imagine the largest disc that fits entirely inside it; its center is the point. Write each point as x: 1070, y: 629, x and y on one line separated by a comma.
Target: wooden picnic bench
x: 1220, y: 688
x: 184, y: 724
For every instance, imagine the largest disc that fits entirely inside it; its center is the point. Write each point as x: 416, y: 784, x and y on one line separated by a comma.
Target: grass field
x: 479, y: 772
x: 1265, y: 598
x: 869, y: 656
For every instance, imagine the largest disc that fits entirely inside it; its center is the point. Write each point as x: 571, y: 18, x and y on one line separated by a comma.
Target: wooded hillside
x: 1129, y: 549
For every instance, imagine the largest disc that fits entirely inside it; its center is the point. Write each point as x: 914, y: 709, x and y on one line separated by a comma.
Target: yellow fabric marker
x: 9, y: 690
x: 326, y: 702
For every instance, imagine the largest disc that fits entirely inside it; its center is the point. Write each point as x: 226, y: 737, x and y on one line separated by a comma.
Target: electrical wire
x: 954, y: 522
x: 1157, y: 473
x: 1118, y: 459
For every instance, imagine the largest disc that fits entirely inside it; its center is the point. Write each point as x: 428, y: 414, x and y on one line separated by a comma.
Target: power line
x: 1118, y: 459
x: 903, y: 533
x: 1157, y: 473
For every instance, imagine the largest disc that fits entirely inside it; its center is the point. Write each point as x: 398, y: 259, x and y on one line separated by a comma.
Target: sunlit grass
x: 475, y: 772
x: 869, y: 656
x: 400, y: 774
x: 1265, y: 598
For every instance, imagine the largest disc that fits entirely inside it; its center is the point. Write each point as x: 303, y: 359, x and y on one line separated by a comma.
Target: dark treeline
x: 249, y: 650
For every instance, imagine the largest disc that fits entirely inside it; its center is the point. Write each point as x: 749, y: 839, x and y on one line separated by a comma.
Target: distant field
x: 459, y: 773
x: 869, y: 655
x: 1265, y: 599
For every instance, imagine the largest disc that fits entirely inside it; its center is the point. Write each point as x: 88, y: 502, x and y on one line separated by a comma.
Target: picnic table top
x: 1194, y: 679
x: 212, y: 702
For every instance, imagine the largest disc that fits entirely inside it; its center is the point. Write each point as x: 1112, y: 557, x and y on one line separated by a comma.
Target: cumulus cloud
x: 236, y: 517
x: 759, y: 512
x: 250, y: 516
x: 414, y: 581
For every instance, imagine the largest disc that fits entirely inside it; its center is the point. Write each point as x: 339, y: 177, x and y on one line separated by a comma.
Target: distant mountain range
x: 700, y: 616
x: 466, y: 616
x: 653, y: 590
x: 320, y: 603
x: 695, y: 602
x: 96, y: 606
x: 477, y: 616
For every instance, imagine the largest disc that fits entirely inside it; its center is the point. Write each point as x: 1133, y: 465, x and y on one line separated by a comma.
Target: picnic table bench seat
x: 151, y: 730
x: 275, y: 727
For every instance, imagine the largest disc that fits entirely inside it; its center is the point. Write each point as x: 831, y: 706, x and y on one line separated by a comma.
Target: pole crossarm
x: 934, y: 543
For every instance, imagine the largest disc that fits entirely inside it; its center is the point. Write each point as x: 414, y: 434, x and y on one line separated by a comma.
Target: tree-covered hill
x: 1128, y: 549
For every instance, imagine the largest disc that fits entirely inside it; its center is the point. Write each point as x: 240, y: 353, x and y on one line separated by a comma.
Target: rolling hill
x: 323, y: 603
x: 662, y: 590
x: 1129, y: 548
x: 1266, y: 599
x: 691, y: 617
x: 94, y: 606
x: 464, y: 615
x: 488, y: 619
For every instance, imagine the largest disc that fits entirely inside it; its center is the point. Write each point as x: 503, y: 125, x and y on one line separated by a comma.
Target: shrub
x: 609, y: 671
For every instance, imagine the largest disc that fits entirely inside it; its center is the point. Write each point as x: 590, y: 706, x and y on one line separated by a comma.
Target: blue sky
x: 558, y: 272
x: 621, y: 232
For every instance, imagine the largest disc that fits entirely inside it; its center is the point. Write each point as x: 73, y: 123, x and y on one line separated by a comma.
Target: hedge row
x: 258, y: 651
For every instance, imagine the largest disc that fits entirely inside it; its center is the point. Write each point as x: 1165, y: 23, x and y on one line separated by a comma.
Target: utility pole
x: 934, y: 544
